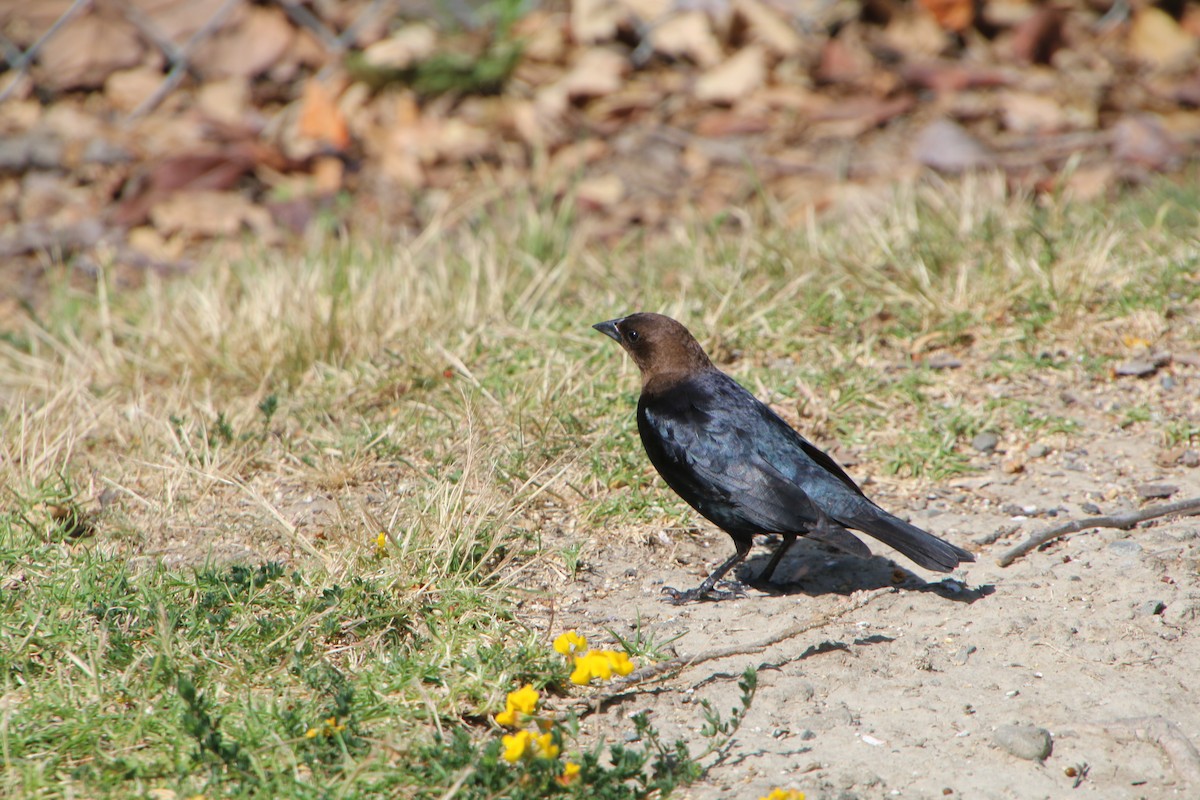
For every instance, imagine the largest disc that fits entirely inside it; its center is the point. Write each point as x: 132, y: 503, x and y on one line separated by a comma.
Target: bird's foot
x: 704, y: 593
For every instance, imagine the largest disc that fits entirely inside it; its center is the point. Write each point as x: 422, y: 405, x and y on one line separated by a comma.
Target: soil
x: 897, y: 680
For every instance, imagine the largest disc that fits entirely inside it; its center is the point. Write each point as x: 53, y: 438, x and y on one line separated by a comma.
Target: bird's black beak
x: 609, y: 328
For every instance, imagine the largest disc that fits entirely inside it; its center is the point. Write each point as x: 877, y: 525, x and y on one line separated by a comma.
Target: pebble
x: 31, y: 151
x: 1151, y: 491
x: 1190, y: 458
x: 103, y: 151
x: 1038, y: 450
x: 1024, y: 741
x: 1149, y: 608
x: 942, y: 361
x: 1124, y: 547
x: 964, y: 652
x: 985, y: 442
x: 1090, y: 508
x: 1137, y: 368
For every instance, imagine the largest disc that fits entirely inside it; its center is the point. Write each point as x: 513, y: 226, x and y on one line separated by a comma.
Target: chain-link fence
x: 64, y: 45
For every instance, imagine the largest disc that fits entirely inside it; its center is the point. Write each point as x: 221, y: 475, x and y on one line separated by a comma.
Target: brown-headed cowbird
x: 741, y: 466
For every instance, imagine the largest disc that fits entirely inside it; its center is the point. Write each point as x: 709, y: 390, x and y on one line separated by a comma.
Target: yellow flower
x: 620, y: 662
x: 381, y: 544
x: 521, y: 702
x: 524, y: 699
x: 515, y: 745
x: 784, y: 794
x: 546, y: 746
x: 600, y: 664
x: 569, y: 774
x: 570, y: 642
x: 311, y: 733
x: 585, y: 669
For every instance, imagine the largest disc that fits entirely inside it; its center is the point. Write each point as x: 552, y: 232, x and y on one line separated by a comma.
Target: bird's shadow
x: 813, y: 569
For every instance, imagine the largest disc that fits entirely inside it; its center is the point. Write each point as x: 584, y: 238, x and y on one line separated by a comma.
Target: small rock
x: 808, y: 734
x: 1024, y: 741
x: 19, y: 154
x: 942, y: 361
x: 964, y: 652
x: 985, y: 442
x: 1137, y: 368
x: 1167, y: 382
x: 1038, y: 450
x: 1152, y: 491
x: 801, y: 690
x: 104, y: 151
x: 1149, y: 608
x: 1090, y: 508
x: 1124, y: 547
x: 1190, y: 458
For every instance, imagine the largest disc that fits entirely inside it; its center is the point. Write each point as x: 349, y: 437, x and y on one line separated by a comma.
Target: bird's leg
x: 788, y: 539
x: 705, y: 590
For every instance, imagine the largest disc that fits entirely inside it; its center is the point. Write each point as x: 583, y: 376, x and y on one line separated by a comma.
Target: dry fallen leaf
x: 1036, y: 39
x: 843, y: 61
x: 947, y: 147
x: 1142, y: 140
x: 1029, y: 113
x: 127, y: 88
x: 543, y: 35
x: 602, y: 191
x: 768, y: 27
x: 953, y: 15
x: 248, y: 45
x: 404, y: 48
x: 595, y: 21
x: 735, y: 79
x: 951, y: 76
x: 178, y: 20
x: 226, y: 101
x: 321, y: 118
x: 688, y: 35
x: 210, y: 213
x: 87, y: 50
x: 597, y: 72
x: 1156, y: 38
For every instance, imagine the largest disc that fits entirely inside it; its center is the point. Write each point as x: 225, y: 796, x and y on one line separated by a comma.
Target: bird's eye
x: 632, y: 335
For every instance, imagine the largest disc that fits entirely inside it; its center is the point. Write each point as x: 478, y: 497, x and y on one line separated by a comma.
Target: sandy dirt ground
x: 890, y: 681
x: 881, y: 680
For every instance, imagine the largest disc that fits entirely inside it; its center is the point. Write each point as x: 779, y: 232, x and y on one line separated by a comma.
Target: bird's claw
x: 678, y: 598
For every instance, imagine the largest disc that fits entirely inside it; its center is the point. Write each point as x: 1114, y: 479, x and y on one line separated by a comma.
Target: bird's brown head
x: 663, y: 349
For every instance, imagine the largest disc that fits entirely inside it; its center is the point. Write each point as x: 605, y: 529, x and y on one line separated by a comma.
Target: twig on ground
x: 1125, y: 520
x: 666, y: 669
x: 1160, y: 731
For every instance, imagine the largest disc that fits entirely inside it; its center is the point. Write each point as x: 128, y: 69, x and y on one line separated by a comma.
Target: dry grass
x: 449, y: 391
x: 156, y: 395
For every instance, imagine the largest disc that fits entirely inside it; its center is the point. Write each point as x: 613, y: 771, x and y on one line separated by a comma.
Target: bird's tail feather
x: 922, y: 547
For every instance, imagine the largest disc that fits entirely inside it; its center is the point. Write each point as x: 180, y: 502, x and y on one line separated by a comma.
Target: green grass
x: 195, y: 473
